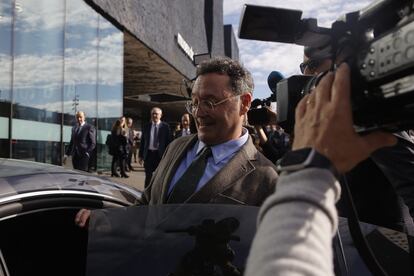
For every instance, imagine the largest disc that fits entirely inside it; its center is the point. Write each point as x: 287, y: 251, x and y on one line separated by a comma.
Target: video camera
x: 259, y: 114
x: 377, y: 42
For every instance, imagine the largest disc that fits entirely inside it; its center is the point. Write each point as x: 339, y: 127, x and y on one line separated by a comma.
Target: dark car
x: 213, y: 239
x: 38, y: 203
x: 38, y: 236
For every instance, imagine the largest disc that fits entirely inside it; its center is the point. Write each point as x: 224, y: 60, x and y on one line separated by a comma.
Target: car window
x: 165, y: 239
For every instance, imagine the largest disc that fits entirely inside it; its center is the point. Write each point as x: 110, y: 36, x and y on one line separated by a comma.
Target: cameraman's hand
x: 272, y: 116
x: 324, y: 122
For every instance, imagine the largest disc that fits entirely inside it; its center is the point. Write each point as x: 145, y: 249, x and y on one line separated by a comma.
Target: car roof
x: 20, y: 176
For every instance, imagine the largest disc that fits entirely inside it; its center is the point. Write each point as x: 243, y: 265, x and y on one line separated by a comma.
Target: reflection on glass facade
x: 81, y: 62
x: 110, y: 84
x: 57, y: 57
x: 37, y: 60
x: 5, y: 74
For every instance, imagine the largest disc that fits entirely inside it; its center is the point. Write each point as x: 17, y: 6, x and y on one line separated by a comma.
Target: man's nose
x: 199, y: 112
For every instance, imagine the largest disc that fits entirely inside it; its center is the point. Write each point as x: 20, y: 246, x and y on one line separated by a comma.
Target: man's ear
x: 246, y: 100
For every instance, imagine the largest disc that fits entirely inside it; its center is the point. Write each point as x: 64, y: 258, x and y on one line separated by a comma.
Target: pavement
x: 136, y: 177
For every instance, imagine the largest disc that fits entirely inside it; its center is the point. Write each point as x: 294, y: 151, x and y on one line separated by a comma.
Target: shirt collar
x: 224, y: 150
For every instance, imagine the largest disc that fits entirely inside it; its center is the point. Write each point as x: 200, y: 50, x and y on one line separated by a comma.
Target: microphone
x: 273, y: 78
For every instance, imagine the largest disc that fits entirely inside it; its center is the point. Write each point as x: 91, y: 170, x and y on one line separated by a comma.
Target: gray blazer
x: 247, y: 179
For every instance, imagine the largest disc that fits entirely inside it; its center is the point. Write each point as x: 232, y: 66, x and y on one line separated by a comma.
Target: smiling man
x: 219, y: 164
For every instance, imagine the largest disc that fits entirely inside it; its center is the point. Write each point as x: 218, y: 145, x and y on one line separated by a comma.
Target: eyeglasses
x: 208, y: 105
x: 310, y: 64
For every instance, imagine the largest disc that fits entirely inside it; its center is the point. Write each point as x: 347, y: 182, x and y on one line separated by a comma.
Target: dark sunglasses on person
x: 310, y: 64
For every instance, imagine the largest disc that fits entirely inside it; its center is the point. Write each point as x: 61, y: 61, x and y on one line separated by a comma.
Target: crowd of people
x: 224, y: 160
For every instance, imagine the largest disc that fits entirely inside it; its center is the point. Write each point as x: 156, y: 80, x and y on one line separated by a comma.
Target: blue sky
x: 263, y: 57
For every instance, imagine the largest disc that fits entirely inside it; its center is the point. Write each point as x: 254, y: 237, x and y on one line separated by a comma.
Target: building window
x: 65, y: 58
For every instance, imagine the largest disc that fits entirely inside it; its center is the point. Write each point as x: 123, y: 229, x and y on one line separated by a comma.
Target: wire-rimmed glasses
x: 207, y: 105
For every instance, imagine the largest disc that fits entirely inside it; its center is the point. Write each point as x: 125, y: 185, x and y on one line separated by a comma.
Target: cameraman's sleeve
x: 296, y: 226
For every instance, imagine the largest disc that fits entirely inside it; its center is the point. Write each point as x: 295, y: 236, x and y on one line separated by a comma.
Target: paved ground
x: 136, y: 178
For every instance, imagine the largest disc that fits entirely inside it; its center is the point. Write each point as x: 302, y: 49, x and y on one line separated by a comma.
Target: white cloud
x: 39, y: 15
x: 80, y: 67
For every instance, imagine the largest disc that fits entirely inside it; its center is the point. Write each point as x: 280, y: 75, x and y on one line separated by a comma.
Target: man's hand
x: 324, y: 122
x: 140, y: 161
x: 65, y: 158
x: 82, y: 217
x: 272, y: 116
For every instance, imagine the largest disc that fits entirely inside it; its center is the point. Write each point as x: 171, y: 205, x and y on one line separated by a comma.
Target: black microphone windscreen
x: 273, y: 78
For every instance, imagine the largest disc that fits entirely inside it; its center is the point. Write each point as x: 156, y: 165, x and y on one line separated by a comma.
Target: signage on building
x: 185, y: 47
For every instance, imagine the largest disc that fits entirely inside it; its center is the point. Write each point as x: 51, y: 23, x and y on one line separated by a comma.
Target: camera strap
x: 408, y: 228
x: 358, y: 237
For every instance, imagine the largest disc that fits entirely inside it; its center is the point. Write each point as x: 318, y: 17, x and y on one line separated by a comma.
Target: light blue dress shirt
x: 221, y: 154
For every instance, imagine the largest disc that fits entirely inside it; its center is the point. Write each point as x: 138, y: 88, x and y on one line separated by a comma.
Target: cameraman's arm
x: 296, y: 224
x: 272, y: 117
x: 261, y: 134
x: 271, y: 151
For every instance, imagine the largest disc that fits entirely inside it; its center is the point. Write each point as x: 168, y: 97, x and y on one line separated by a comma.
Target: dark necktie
x: 155, y: 140
x: 187, y: 184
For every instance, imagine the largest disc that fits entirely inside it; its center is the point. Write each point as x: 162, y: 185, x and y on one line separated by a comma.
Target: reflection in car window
x: 201, y: 239
x: 204, y: 239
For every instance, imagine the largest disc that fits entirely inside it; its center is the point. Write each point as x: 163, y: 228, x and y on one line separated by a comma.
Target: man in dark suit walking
x: 155, y: 138
x: 82, y: 143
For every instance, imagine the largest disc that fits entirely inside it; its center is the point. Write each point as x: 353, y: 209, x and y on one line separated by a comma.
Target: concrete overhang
x: 150, y: 81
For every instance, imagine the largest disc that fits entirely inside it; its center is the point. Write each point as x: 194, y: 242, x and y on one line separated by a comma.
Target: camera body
x: 378, y: 44
x: 259, y: 113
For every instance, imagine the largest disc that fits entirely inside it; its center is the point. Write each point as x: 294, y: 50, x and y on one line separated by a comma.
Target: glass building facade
x: 56, y: 57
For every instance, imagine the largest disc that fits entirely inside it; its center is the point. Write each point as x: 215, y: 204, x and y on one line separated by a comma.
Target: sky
x: 261, y: 58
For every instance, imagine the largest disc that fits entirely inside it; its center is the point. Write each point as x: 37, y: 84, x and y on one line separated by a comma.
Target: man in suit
x: 235, y: 172
x: 155, y: 138
x: 185, y: 126
x: 82, y: 143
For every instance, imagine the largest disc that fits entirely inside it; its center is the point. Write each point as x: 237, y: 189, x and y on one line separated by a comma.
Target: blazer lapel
x: 238, y: 167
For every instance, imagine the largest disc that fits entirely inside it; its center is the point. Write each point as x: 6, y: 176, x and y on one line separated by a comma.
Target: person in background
x: 185, y: 126
x: 82, y: 143
x: 119, y: 146
x: 272, y: 139
x: 155, y: 138
x: 135, y: 145
x: 130, y: 133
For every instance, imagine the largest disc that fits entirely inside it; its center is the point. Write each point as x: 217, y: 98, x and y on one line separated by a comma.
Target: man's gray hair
x: 241, y: 80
